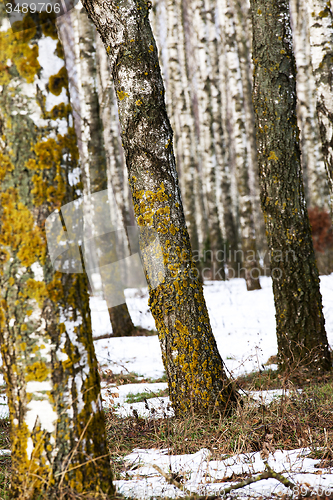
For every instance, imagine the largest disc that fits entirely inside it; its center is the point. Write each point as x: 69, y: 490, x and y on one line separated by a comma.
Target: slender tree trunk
x: 243, y: 34
x: 182, y: 118
x: 196, y: 376
x: 317, y: 192
x: 90, y: 124
x: 211, y: 144
x: 301, y: 335
x: 241, y: 145
x: 321, y: 44
x: 57, y: 422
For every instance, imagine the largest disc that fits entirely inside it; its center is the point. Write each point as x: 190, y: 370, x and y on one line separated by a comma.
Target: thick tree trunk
x: 196, y: 376
x: 321, y: 44
x: 301, y: 335
x: 57, y: 422
x: 316, y: 188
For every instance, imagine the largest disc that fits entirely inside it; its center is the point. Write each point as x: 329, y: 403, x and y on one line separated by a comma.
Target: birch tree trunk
x: 196, y: 376
x: 90, y: 125
x: 301, y: 336
x: 321, y: 45
x: 241, y: 145
x: 204, y: 43
x: 317, y: 192
x: 178, y: 97
x: 243, y: 35
x: 57, y: 423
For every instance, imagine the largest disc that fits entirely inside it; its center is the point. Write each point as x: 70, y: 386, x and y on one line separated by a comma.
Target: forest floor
x: 285, y: 424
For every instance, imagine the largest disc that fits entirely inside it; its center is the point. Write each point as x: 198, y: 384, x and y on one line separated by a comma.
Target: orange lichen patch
x: 122, y: 95
x: 48, y: 153
x: 38, y: 371
x: 16, y: 49
x: 18, y: 230
x: 5, y: 166
x: 27, y: 64
x: 36, y: 290
x: 58, y: 82
x: 48, y: 24
x: 60, y: 111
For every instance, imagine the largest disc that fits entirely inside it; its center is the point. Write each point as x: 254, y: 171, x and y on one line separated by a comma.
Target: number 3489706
x: 24, y: 8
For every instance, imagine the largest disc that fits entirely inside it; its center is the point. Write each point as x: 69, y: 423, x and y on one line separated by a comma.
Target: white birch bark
x: 312, y: 159
x: 320, y: 16
x: 237, y: 127
x: 178, y: 98
x: 57, y: 423
x: 96, y: 125
x: 203, y: 45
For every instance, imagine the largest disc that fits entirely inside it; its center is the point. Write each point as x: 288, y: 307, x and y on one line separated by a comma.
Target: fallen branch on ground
x: 268, y: 474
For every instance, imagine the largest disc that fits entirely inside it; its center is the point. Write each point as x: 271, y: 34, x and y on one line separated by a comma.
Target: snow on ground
x: 207, y: 477
x: 243, y: 325
x: 244, y: 328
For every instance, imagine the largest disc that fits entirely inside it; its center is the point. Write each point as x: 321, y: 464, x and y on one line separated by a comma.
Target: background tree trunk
x: 301, y: 335
x: 316, y: 187
x: 196, y: 377
x: 90, y: 126
x: 241, y: 147
x: 321, y: 45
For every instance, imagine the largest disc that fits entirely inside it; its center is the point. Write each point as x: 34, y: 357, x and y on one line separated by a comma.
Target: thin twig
x: 268, y: 474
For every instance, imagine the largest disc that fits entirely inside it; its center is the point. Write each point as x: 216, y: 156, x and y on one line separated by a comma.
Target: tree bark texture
x: 57, y: 423
x: 196, y: 376
x: 320, y: 16
x: 92, y: 146
x: 241, y: 146
x: 182, y: 118
x: 300, y: 322
x: 316, y: 187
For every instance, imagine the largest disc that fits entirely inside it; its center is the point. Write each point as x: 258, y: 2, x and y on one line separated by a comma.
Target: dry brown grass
x: 295, y: 420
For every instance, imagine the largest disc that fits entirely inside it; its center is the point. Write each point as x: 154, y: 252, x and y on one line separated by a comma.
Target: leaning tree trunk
x: 321, y: 44
x: 196, y: 376
x: 300, y: 322
x: 58, y: 434
x: 317, y: 191
x: 90, y: 126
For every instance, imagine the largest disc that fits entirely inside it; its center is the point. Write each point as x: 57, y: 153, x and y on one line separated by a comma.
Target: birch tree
x: 320, y: 16
x: 301, y: 335
x: 234, y: 84
x: 58, y: 434
x: 182, y: 117
x: 196, y: 376
x: 90, y: 122
x: 316, y: 188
